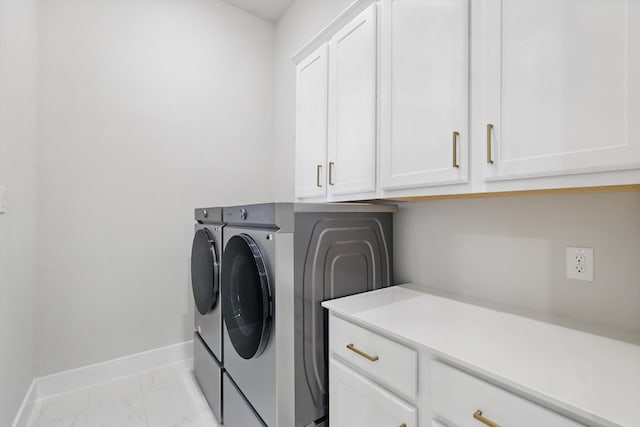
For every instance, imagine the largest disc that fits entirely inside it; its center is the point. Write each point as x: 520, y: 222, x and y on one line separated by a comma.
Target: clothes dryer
x: 281, y: 260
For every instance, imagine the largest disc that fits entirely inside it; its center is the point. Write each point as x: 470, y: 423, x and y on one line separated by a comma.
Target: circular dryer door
x: 204, y: 271
x: 246, y: 297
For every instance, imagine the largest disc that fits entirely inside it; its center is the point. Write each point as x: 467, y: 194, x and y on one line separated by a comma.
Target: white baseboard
x: 87, y: 376
x: 100, y: 372
x: 28, y: 403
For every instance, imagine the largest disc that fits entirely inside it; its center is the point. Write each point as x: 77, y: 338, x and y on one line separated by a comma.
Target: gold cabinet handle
x: 403, y: 425
x: 331, y: 166
x: 455, y: 149
x: 478, y: 416
x: 362, y: 353
x: 318, y: 169
x: 489, y: 131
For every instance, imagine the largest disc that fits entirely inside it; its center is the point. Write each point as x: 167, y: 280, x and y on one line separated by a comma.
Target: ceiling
x: 270, y: 10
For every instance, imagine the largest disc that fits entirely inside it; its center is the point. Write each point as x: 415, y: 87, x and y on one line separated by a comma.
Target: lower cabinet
x: 379, y: 358
x: 356, y: 401
x: 426, y: 391
x: 460, y: 399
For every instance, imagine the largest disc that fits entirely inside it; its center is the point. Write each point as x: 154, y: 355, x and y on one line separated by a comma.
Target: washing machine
x: 281, y: 260
x: 206, y: 256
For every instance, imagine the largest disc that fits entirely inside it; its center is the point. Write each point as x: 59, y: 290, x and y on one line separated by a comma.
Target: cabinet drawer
x: 355, y: 401
x: 457, y: 396
x: 391, y: 363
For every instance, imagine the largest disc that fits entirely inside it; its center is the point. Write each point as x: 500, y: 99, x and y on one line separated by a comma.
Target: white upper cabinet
x: 352, y: 106
x: 410, y: 98
x: 311, y: 126
x: 561, y: 87
x: 336, y: 113
x: 424, y: 93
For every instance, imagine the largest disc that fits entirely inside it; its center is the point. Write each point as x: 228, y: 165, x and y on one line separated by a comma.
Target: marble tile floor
x: 163, y: 397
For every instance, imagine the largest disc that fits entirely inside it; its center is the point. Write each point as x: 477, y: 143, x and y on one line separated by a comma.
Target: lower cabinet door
x: 355, y: 401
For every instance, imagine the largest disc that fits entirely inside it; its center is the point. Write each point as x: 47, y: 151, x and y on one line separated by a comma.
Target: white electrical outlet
x: 580, y: 263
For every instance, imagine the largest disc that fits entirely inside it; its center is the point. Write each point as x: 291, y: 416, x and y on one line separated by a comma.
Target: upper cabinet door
x: 352, y: 106
x: 561, y: 87
x: 311, y: 124
x: 424, y: 93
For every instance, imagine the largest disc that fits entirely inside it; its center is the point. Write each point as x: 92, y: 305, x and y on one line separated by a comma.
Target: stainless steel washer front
x: 206, y: 257
x: 247, y: 307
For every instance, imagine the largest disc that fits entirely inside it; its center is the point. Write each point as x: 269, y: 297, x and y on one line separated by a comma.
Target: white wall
x: 148, y: 109
x: 18, y: 111
x: 504, y: 250
x: 512, y: 250
x: 303, y: 20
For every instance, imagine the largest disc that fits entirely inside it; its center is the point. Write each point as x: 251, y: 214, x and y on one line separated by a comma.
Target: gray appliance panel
x: 256, y: 377
x: 208, y: 215
x: 208, y: 374
x: 237, y: 412
x: 264, y: 215
x: 209, y: 326
x: 336, y: 255
x: 281, y: 215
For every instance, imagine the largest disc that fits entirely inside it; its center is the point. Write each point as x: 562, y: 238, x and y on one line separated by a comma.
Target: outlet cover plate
x: 580, y: 263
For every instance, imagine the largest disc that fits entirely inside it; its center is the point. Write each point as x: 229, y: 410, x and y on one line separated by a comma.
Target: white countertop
x: 592, y: 376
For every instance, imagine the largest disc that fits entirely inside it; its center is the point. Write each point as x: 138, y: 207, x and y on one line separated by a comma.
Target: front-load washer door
x: 204, y: 271
x: 246, y: 296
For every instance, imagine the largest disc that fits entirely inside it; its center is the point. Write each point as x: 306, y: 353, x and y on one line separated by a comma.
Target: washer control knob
x: 243, y: 213
x: 205, y: 213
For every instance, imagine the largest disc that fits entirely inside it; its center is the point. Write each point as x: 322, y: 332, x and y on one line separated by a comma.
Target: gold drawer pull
x: 455, y: 149
x: 362, y: 353
x: 489, y: 130
x: 331, y: 166
x: 318, y: 169
x: 403, y: 425
x: 478, y: 416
